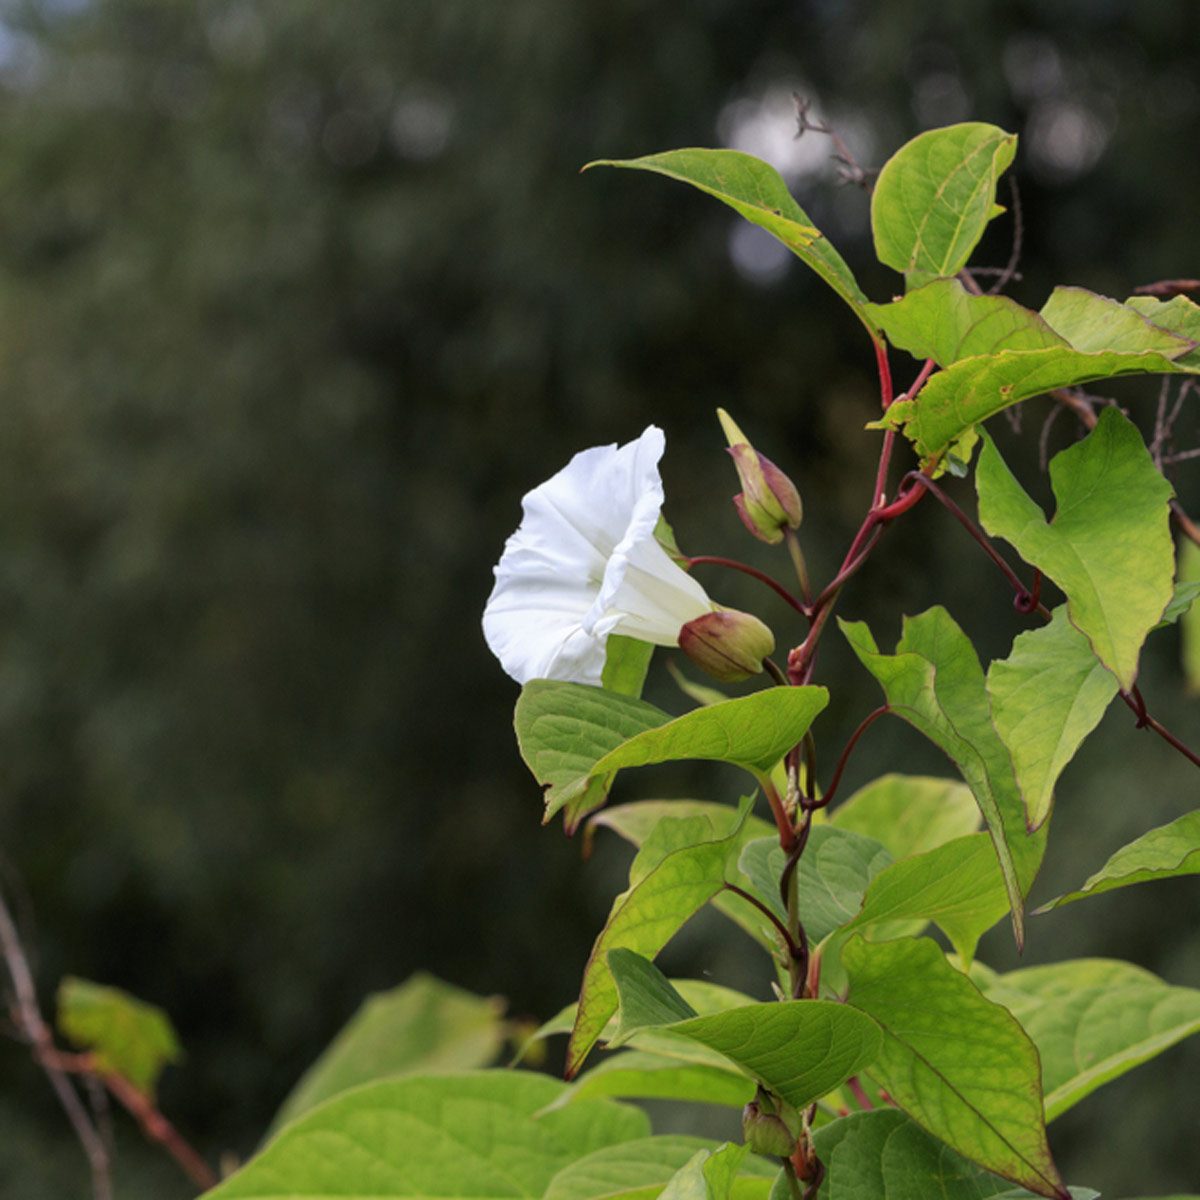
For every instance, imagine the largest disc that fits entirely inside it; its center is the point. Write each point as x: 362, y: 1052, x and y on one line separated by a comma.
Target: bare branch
x: 1168, y: 287
x: 28, y: 1018
x: 850, y: 170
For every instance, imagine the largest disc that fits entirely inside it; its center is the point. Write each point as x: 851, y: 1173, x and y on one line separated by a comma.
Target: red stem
x: 717, y: 560
x: 863, y: 726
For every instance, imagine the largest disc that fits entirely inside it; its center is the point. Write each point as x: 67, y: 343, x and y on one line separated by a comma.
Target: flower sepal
x: 770, y: 1126
x: 728, y: 644
x: 768, y: 502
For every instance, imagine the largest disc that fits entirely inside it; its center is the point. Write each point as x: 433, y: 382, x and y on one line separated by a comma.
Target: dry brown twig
x: 27, y: 1017
x: 61, y: 1067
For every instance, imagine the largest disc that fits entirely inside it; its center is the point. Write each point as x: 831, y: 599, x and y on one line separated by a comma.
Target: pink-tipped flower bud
x: 769, y: 501
x: 728, y: 644
x: 770, y: 1127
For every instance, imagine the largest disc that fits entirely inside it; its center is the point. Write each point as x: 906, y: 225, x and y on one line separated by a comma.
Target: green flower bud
x: 769, y: 1126
x: 769, y: 501
x: 728, y: 644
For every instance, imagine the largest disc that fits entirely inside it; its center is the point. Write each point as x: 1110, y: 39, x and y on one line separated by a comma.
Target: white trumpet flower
x: 584, y: 563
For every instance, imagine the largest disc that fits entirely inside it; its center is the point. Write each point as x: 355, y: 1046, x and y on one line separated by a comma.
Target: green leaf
x: 957, y: 885
x: 563, y: 729
x: 125, y: 1035
x: 1092, y: 1020
x: 634, y: 822
x: 626, y: 662
x: 756, y: 191
x: 711, y: 1175
x: 882, y: 1155
x: 641, y: 1169
x: 1109, y: 545
x: 469, y: 1136
x: 650, y: 1076
x: 1189, y: 622
x: 934, y: 198
x: 909, y: 814
x: 958, y: 1064
x: 970, y: 391
x: 645, y: 995
x: 945, y: 322
x: 1047, y: 696
x: 834, y: 872
x: 1185, y: 596
x: 423, y: 1025
x: 1095, y: 324
x: 935, y: 683
x: 1179, y: 314
x: 661, y: 898
x: 799, y: 1049
x: 753, y: 732
x: 1162, y: 853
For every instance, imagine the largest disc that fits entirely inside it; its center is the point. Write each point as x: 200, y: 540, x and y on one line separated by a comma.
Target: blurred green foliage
x: 296, y: 299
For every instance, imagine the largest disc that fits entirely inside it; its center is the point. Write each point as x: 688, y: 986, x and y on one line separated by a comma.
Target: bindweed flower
x: 585, y: 563
x: 768, y: 502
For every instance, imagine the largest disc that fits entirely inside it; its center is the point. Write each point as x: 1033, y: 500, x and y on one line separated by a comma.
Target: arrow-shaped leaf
x: 800, y: 1049
x: 935, y: 683
x: 1047, y: 696
x: 959, y: 1065
x: 666, y: 890
x: 1162, y: 853
x: 1092, y: 1020
x: 1109, y: 545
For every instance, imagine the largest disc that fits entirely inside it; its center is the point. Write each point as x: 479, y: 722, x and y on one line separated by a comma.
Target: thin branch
x: 847, y: 750
x: 1009, y: 270
x: 29, y: 1019
x: 780, y: 927
x: 158, y: 1129
x: 716, y: 560
x: 849, y: 168
x: 1168, y: 288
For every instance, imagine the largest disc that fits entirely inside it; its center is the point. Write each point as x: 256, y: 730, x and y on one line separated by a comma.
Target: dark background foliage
x: 297, y: 297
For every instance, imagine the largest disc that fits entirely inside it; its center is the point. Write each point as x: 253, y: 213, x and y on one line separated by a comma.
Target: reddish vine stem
x: 780, y: 927
x: 1026, y: 601
x: 717, y: 560
x: 158, y: 1129
x: 863, y: 726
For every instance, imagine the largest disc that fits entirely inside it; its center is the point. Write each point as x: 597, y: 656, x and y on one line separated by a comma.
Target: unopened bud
x: 769, y: 501
x: 770, y: 1128
x: 728, y: 644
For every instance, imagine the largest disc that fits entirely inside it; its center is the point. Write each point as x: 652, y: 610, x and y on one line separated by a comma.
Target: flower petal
x: 583, y: 563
